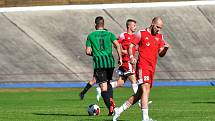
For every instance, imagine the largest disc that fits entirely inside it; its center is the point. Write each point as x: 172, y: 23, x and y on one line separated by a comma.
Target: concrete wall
x: 49, y: 45
x: 10, y: 3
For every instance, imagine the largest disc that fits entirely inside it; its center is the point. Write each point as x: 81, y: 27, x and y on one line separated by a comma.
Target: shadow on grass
x: 51, y: 114
x: 204, y: 102
x: 57, y: 114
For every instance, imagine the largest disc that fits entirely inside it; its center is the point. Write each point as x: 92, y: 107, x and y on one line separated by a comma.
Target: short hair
x: 155, y: 19
x: 99, y: 20
x: 130, y: 20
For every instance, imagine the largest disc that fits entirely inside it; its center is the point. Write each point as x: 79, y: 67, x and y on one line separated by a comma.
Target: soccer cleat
x: 98, y: 93
x: 116, y: 114
x: 81, y: 95
x: 112, y: 107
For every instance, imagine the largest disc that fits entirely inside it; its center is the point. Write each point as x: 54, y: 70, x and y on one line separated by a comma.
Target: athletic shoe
x: 116, y: 114
x: 98, y: 93
x: 81, y: 95
x: 112, y: 107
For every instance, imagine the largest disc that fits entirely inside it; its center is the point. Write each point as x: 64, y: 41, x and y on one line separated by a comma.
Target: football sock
x: 145, y: 114
x: 114, y: 84
x: 134, y: 87
x: 106, y: 98
x: 110, y: 90
x: 86, y: 88
x: 124, y: 106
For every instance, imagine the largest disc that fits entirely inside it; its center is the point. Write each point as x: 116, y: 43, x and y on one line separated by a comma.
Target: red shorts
x: 144, y: 76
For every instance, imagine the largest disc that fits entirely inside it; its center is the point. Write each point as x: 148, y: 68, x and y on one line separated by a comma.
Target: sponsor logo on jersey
x: 147, y: 38
x: 147, y: 44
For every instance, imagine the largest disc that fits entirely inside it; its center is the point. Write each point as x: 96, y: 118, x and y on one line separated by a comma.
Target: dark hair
x: 99, y: 20
x: 130, y: 20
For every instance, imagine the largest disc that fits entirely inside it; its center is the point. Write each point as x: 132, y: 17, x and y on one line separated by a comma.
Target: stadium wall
x: 13, y: 3
x: 47, y: 45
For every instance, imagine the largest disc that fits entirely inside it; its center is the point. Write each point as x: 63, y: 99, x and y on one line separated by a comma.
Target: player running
x: 126, y: 71
x: 99, y: 46
x: 151, y: 44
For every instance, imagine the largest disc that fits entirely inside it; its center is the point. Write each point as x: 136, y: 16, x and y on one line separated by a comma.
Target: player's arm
x: 133, y: 44
x: 130, y: 52
x: 163, y: 50
x: 122, y: 50
x: 88, y: 51
x: 120, y: 41
x: 118, y: 48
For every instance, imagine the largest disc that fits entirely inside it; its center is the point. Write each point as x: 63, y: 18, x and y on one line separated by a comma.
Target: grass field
x: 169, y: 104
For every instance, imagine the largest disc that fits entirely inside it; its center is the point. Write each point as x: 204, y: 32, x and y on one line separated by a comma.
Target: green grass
x: 169, y: 104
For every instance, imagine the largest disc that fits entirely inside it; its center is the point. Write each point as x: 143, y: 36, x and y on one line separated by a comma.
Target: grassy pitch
x: 169, y: 104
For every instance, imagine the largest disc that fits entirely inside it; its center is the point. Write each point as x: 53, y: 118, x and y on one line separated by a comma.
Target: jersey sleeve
x: 88, y: 43
x: 137, y: 38
x: 121, y: 38
x: 113, y: 37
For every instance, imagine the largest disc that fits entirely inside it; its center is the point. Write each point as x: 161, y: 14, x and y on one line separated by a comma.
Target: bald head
x: 157, y: 20
x: 156, y: 25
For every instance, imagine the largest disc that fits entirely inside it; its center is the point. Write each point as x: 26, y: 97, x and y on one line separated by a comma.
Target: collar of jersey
x: 100, y: 30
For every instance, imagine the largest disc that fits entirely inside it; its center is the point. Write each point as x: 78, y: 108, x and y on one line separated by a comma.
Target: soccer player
x: 126, y: 71
x: 151, y: 44
x: 99, y: 46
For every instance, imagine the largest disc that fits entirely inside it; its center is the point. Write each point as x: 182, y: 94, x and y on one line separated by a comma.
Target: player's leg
x: 146, y: 81
x: 131, y: 101
x: 87, y: 87
x: 110, y: 90
x: 144, y: 101
x: 102, y: 77
x: 134, y: 85
x: 98, y: 93
x: 122, y: 78
x: 120, y: 82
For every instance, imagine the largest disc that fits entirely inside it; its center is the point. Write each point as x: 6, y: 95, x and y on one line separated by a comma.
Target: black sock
x: 110, y: 90
x: 86, y: 88
x: 106, y: 98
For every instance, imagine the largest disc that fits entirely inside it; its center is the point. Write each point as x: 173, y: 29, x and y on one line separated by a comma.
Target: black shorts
x: 103, y: 75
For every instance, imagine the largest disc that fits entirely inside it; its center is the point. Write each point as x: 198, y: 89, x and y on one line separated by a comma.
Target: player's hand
x: 166, y: 45
x: 120, y: 62
x: 133, y: 60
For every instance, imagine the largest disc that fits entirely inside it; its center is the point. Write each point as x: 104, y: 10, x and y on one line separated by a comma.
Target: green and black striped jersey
x: 101, y: 43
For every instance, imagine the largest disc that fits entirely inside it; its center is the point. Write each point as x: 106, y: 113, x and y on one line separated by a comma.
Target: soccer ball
x: 93, y: 110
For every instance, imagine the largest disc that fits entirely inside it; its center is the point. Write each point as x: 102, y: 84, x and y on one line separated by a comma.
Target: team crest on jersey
x: 147, y: 44
x: 129, y: 38
x: 147, y: 38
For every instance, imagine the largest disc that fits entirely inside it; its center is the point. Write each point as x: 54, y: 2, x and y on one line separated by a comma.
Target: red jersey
x: 149, y: 46
x: 125, y: 40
